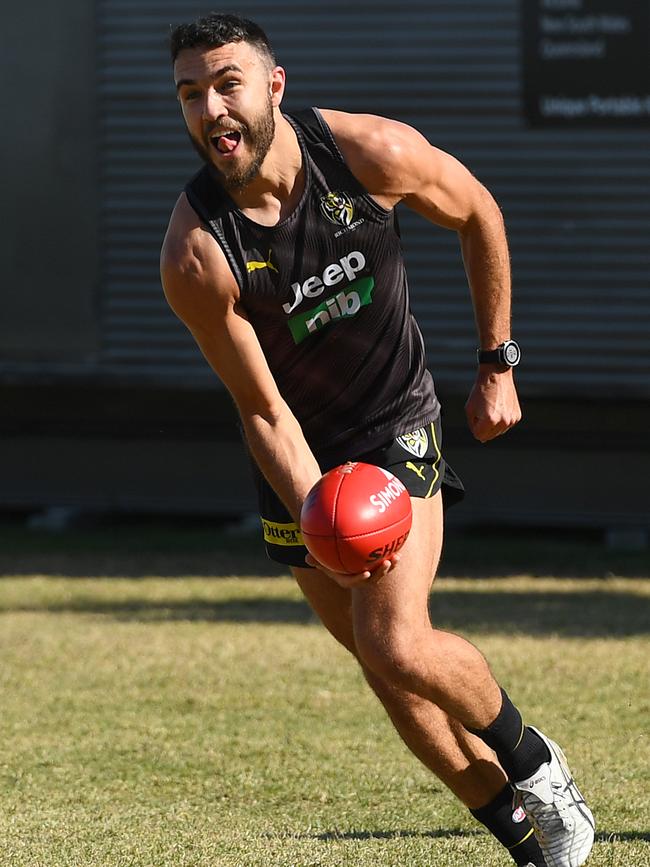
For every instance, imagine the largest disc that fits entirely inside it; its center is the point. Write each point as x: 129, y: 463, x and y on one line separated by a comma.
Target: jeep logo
x: 348, y: 266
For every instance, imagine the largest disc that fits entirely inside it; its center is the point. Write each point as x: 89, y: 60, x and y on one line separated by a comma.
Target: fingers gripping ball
x: 354, y: 517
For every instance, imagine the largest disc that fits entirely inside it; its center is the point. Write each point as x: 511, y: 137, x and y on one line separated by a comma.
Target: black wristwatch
x: 506, y: 355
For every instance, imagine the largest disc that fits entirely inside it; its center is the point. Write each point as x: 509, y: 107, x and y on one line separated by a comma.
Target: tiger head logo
x: 416, y: 442
x: 337, y: 208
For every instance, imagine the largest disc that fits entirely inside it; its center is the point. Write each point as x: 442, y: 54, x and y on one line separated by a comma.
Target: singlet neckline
x: 306, y: 165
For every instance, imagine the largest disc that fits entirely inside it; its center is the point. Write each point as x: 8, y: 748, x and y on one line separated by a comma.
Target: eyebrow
x: 231, y: 67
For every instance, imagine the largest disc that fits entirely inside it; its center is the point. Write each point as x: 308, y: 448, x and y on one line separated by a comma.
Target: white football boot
x: 564, y: 825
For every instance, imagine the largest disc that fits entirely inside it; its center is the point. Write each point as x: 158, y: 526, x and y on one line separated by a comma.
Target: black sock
x: 519, y: 749
x: 512, y: 829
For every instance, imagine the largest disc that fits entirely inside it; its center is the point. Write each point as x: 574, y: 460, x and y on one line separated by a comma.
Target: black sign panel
x: 586, y: 62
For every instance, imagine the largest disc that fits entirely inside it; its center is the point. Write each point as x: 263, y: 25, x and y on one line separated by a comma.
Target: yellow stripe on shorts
x: 288, y: 535
x: 434, y: 465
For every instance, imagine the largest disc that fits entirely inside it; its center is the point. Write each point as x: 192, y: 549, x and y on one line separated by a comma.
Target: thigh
x: 399, y: 600
x: 397, y: 604
x: 332, y: 604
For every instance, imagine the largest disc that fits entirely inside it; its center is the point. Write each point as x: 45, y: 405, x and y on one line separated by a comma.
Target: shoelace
x: 544, y: 817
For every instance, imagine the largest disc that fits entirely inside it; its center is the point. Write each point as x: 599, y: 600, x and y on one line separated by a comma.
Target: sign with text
x: 586, y: 62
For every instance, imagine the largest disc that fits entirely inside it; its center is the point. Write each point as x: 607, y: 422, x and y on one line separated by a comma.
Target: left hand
x: 493, y: 406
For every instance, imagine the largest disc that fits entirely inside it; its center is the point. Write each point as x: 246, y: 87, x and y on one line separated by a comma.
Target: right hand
x: 347, y: 581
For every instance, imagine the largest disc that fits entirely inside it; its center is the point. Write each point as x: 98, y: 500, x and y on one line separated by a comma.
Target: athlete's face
x: 228, y: 96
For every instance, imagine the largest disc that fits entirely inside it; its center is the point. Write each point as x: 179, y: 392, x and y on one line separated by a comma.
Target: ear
x: 277, y: 85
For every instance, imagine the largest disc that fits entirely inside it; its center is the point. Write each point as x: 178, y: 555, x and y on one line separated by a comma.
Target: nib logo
x: 342, y: 305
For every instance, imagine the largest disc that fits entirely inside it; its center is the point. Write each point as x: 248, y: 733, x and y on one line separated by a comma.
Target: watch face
x: 512, y: 353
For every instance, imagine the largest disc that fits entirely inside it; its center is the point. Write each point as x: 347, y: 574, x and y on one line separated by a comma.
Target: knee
x: 396, y: 660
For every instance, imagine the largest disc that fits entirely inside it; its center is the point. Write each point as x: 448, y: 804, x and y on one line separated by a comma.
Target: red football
x: 354, y: 517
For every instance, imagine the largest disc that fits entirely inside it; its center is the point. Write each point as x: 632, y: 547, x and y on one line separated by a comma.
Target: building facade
x: 108, y: 403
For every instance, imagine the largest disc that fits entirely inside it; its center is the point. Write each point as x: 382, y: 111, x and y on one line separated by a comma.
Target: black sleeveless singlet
x: 326, y: 293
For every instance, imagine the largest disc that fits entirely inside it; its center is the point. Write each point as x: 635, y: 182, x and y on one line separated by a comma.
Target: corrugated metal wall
x: 577, y: 202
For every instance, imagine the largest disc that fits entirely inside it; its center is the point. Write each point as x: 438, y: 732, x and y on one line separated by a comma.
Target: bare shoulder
x: 387, y: 156
x: 196, y: 277
x: 396, y: 163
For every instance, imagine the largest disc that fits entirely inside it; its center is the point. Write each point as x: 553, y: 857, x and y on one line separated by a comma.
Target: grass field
x: 159, y: 709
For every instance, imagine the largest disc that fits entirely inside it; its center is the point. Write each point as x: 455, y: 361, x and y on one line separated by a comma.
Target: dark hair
x: 215, y: 30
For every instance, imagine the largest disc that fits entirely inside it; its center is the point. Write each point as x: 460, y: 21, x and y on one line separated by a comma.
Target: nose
x: 213, y: 107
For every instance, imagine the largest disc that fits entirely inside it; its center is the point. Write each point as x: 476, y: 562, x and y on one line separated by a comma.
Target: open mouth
x: 226, y: 143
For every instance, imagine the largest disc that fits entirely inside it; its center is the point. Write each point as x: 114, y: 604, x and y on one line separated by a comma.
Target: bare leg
x: 433, y: 684
x: 463, y: 762
x: 395, y: 640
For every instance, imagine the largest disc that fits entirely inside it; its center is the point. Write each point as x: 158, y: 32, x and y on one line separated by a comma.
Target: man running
x: 283, y: 259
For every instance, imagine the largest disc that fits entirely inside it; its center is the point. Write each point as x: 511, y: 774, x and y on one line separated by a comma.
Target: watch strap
x: 489, y: 356
x: 507, y: 354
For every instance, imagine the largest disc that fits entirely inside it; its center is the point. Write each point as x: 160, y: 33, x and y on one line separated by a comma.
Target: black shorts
x: 415, y: 458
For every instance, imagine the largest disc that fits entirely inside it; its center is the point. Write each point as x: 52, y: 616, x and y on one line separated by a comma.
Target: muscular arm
x: 203, y: 293
x: 397, y: 164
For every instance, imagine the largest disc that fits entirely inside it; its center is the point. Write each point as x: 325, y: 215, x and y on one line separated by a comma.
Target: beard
x: 257, y: 134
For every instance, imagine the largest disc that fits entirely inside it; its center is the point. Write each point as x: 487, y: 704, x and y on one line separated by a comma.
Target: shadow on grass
x: 438, y: 834
x: 109, y: 556
x: 451, y: 833
x: 141, y: 549
x: 571, y: 614
x: 622, y: 836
